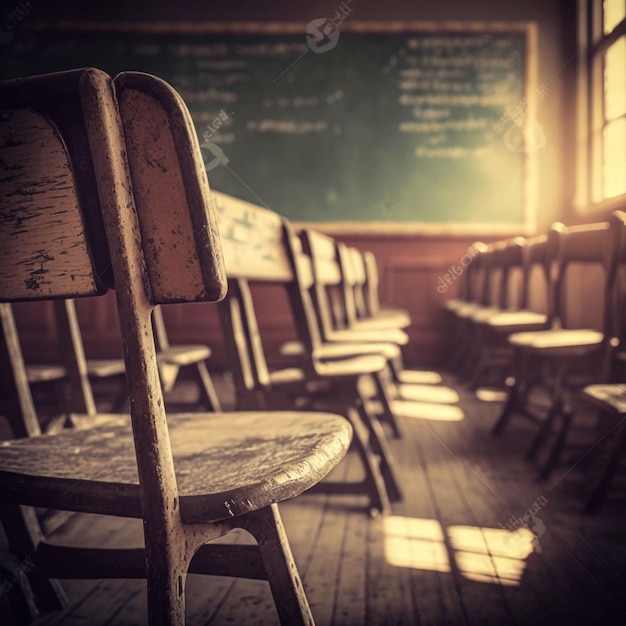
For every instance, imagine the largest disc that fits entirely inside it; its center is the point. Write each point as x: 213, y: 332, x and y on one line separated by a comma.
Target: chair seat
x: 184, y: 354
x: 467, y: 309
x: 287, y: 375
x: 247, y: 465
x: 609, y: 397
x: 423, y: 410
x: 385, y: 318
x: 419, y: 377
x: 559, y: 342
x: 103, y: 368
x: 428, y: 393
x: 369, y: 364
x: 483, y: 314
x: 517, y: 321
x: 454, y: 304
x: 42, y: 373
x: 329, y: 351
x: 388, y: 335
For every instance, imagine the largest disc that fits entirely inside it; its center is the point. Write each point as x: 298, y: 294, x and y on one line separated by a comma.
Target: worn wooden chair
x: 373, y: 309
x: 173, y: 357
x: 71, y: 373
x: 566, y: 356
x: 259, y: 249
x: 357, y: 313
x: 333, y: 270
x: 470, y: 296
x: 357, y: 316
x: 533, y: 311
x: 370, y: 307
x: 77, y: 219
x: 608, y: 395
x: 489, y: 327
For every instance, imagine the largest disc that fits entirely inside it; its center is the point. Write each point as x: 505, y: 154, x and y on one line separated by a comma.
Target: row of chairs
x: 544, y: 317
x: 73, y: 376
x: 104, y: 188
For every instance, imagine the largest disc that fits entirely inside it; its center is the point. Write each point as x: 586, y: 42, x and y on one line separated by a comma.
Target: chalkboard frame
x: 527, y: 223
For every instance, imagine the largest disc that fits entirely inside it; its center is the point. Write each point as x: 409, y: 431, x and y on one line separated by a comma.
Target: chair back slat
x: 44, y: 251
x: 372, y: 298
x: 252, y: 241
x: 360, y: 276
x: 512, y: 263
x: 322, y: 251
x: 17, y: 400
x: 172, y: 197
x: 585, y: 248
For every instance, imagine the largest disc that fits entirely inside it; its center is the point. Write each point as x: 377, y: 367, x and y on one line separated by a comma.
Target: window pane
x: 614, y: 12
x: 614, y: 158
x: 615, y: 80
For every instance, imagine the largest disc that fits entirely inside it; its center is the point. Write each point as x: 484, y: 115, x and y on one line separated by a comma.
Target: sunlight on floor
x: 490, y: 555
x: 428, y: 411
x: 415, y: 543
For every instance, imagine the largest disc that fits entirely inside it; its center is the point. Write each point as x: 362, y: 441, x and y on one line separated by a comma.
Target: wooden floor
x: 444, y: 556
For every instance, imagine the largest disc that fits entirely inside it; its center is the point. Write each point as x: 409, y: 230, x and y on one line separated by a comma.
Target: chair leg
x: 385, y: 399
x: 166, y: 577
x: 555, y: 453
x: 544, y: 430
x: 380, y: 447
x: 515, y: 396
x: 508, y: 409
x: 208, y: 394
x: 377, y: 491
x: 556, y: 409
x: 24, y: 535
x: 287, y: 589
x: 599, y: 491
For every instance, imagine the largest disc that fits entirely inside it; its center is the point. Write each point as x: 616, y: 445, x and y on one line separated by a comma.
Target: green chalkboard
x: 387, y: 126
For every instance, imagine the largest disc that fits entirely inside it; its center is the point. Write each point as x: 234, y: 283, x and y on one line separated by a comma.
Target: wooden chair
x: 494, y: 353
x: 357, y: 313
x: 172, y: 358
x: 333, y: 270
x: 77, y: 219
x: 358, y: 316
x: 566, y: 352
x: 259, y: 249
x: 373, y: 309
x: 371, y: 306
x: 471, y: 289
x: 608, y: 395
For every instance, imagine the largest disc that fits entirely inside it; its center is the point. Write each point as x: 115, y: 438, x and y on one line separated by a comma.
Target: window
x: 606, y: 103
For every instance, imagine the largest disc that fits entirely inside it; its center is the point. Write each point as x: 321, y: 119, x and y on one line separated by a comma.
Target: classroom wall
x: 409, y: 264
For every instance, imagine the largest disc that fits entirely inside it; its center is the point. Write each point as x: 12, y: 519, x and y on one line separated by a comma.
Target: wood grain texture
x: 43, y: 250
x: 251, y: 240
x: 226, y: 464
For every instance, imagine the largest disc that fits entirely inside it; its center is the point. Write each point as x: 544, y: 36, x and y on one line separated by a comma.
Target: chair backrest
x: 357, y: 261
x: 332, y: 280
x: 475, y: 275
x: 583, y: 250
x: 260, y: 247
x: 615, y: 304
x: 371, y: 286
x: 511, y: 259
x: 95, y: 181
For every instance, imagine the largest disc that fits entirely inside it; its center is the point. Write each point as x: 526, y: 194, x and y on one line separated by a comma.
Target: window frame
x: 592, y: 47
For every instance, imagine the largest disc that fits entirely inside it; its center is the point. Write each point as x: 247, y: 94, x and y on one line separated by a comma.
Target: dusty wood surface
x: 43, y: 249
x: 226, y: 464
x: 179, y: 233
x: 252, y: 240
